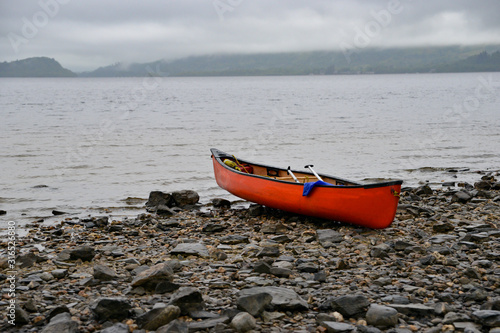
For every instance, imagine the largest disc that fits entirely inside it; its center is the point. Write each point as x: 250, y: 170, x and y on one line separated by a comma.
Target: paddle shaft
x: 291, y: 174
x: 312, y: 170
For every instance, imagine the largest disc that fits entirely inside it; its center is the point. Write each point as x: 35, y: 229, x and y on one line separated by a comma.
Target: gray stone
x: 283, y: 299
x: 62, y: 323
x: 489, y: 318
x: 21, y: 316
x: 187, y: 249
x: 84, y: 253
x: 243, y: 322
x: 308, y: 267
x: 461, y: 197
x: 208, y: 324
x: 262, y: 267
x: 57, y: 310
x: 380, y: 251
x: 381, y: 316
x: 150, y: 277
x: 101, y: 221
x: 269, y: 251
x: 349, y: 305
x: 214, y: 227
x: 413, y: 309
x: 187, y: 299
x: 467, y: 327
x: 175, y: 326
x: 254, y: 304
x: 234, y: 239
x: 116, y: 328
x: 59, y: 273
x: 111, y: 308
x: 280, y: 272
x: 27, y: 259
x: 158, y: 317
x: 336, y: 327
x: 104, y: 273
x: 328, y: 237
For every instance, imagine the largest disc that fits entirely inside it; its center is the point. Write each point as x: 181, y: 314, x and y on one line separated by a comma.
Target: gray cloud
x: 83, y: 35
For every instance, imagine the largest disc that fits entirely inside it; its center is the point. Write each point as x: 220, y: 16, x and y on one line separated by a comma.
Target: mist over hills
x: 355, y: 61
x: 362, y: 61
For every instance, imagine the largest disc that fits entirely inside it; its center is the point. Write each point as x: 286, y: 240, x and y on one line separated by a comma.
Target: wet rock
x: 58, y: 212
x: 482, y: 185
x: 255, y: 210
x: 111, y: 308
x: 104, y: 273
x: 186, y: 249
x: 158, y: 198
x: 328, y: 237
x: 151, y: 277
x: 381, y: 316
x: 185, y: 197
x: 158, y: 317
x: 282, y: 298
x: 3, y: 212
x: 221, y: 203
x: 62, y: 323
x: 188, y: 299
x: 254, y: 304
x: 424, y: 190
x: 243, y: 322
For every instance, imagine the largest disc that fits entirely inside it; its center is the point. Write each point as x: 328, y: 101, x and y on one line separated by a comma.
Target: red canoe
x: 369, y: 205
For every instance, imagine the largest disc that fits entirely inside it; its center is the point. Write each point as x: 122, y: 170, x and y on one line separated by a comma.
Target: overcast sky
x: 86, y: 34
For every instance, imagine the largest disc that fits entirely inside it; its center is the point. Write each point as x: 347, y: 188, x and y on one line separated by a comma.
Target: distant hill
x: 357, y: 61
x: 34, y: 67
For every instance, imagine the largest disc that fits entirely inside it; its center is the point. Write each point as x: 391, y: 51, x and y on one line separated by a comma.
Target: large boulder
x: 185, y: 197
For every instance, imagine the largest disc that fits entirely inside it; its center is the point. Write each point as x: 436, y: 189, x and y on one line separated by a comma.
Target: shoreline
x: 228, y: 268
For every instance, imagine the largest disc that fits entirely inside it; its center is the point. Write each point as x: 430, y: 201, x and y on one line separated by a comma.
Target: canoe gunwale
x: 219, y: 155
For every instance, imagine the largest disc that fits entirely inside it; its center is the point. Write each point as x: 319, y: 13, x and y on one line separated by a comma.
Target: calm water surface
x: 82, y: 144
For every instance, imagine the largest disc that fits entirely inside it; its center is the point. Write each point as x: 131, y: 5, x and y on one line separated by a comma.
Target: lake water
x: 82, y: 144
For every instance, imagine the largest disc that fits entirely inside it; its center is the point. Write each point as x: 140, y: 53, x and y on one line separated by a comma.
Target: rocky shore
x: 180, y: 268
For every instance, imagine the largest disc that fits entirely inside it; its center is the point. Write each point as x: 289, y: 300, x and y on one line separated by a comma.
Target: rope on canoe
x: 240, y: 165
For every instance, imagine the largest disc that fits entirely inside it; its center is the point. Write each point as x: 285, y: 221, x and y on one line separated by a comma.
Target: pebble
x: 232, y: 269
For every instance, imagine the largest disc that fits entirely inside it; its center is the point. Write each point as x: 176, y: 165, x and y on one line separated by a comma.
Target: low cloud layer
x: 83, y: 35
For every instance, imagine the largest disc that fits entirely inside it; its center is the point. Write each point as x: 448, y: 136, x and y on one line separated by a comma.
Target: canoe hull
x: 372, y: 206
